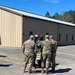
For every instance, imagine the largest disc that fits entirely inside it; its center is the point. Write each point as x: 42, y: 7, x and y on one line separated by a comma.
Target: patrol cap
x: 36, y: 35
x: 31, y: 36
x: 46, y: 36
x: 51, y: 36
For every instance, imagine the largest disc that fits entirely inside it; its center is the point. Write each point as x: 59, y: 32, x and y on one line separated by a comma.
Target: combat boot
x: 23, y: 70
x: 53, y: 70
x: 42, y: 70
x: 33, y: 67
x: 29, y: 71
x: 46, y: 71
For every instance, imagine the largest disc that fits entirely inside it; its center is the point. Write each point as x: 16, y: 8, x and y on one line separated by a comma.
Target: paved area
x: 11, y: 61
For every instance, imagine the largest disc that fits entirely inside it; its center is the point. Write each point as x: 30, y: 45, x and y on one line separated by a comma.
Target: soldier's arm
x: 34, y: 47
x: 51, y: 47
x: 23, y: 47
x: 42, y: 45
x: 56, y: 46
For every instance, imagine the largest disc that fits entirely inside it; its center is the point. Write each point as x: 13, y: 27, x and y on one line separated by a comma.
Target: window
x: 30, y: 33
x: 66, y: 37
x: 72, y: 37
x: 59, y: 38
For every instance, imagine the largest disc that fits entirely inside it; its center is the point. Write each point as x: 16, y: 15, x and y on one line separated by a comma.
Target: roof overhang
x: 35, y: 16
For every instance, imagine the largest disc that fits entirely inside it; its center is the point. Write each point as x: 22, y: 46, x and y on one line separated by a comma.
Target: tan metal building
x: 16, y: 26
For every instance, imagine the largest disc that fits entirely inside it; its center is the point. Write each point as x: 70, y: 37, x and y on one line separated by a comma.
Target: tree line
x: 68, y: 16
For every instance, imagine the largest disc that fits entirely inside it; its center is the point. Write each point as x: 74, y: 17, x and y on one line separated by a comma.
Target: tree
x: 68, y: 16
x: 47, y: 14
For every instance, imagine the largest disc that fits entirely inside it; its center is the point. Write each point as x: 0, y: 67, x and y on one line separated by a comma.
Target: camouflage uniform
x: 53, y: 53
x: 35, y: 51
x: 28, y: 50
x: 46, y: 54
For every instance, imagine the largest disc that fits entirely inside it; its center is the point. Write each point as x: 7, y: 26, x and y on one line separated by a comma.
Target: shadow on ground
x: 56, y: 71
x: 62, y: 70
x: 3, y: 56
x: 39, y: 71
x: 5, y: 65
x: 56, y: 64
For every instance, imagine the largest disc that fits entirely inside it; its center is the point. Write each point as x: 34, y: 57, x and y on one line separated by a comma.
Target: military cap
x: 51, y: 36
x: 46, y: 36
x: 36, y: 35
x: 31, y: 36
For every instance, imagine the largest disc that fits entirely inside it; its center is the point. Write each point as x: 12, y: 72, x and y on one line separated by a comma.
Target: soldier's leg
x: 34, y: 61
x: 47, y: 62
x: 39, y: 63
x: 43, y: 62
x: 30, y: 64
x: 26, y: 61
x: 53, y: 64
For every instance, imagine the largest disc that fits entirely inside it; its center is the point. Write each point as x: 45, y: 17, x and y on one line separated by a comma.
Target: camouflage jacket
x: 54, y: 46
x: 28, y: 46
x: 47, y: 46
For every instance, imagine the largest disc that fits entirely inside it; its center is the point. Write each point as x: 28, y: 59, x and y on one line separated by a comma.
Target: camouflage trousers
x: 46, y: 60
x: 28, y: 60
x: 53, y: 55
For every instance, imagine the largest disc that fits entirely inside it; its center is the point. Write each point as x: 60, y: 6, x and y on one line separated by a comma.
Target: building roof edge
x: 35, y: 16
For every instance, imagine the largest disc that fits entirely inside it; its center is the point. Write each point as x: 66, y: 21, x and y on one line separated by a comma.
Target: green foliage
x: 47, y: 14
x: 68, y: 16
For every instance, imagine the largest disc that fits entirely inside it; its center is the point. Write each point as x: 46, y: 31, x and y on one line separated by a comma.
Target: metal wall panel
x: 10, y: 29
x: 39, y: 27
x: 66, y: 30
x: 42, y: 27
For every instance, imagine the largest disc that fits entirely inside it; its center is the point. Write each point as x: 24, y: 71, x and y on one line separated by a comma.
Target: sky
x: 40, y: 7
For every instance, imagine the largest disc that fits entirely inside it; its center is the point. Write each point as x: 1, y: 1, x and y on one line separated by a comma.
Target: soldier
x: 46, y: 54
x: 28, y: 51
x: 36, y: 42
x: 53, y: 53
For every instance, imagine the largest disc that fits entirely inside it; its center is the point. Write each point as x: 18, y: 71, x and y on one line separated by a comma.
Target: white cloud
x: 52, y: 1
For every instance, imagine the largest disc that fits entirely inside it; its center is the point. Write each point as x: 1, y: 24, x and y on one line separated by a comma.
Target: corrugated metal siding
x: 36, y: 16
x: 39, y: 27
x: 10, y: 29
x: 66, y: 30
